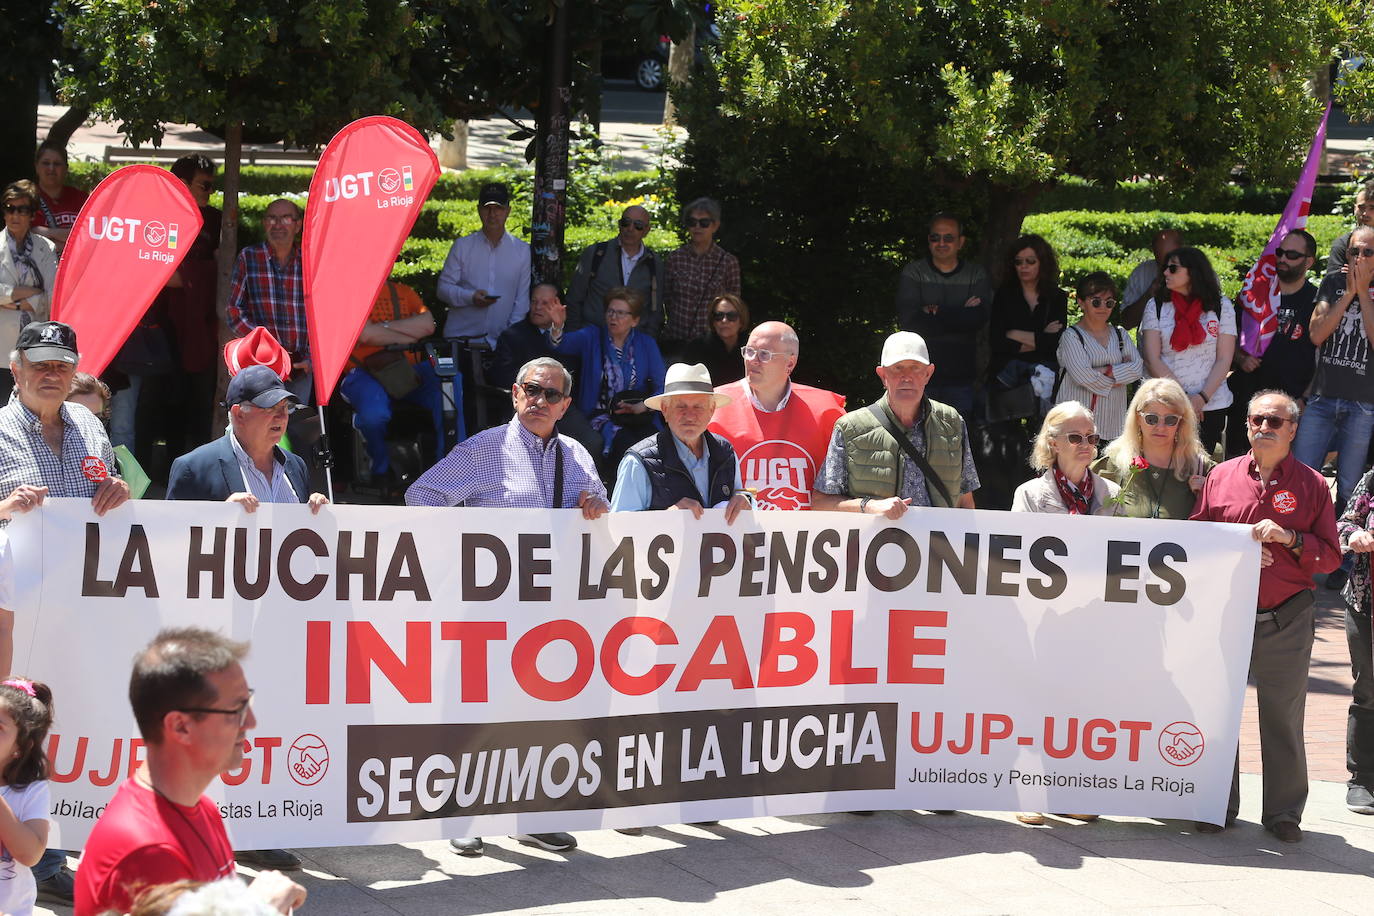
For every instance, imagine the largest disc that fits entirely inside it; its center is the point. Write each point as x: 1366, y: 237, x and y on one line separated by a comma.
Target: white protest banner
x: 426, y: 673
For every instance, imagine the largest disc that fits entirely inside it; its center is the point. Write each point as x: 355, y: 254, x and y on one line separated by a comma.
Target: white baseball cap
x: 904, y: 345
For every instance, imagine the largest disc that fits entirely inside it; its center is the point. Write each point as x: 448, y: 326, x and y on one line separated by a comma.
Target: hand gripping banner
x: 368, y: 189
x: 134, y: 230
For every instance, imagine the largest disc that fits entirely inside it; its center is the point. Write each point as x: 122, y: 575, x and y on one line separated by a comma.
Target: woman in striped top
x: 1098, y: 359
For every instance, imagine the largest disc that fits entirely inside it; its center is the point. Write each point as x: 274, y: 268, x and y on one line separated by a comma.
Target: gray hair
x: 1294, y: 411
x: 708, y: 205
x: 545, y: 362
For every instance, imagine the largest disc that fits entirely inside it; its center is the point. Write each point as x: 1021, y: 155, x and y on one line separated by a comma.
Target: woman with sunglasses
x: 28, y: 268
x: 1158, y: 462
x: 1189, y: 335
x: 719, y: 351
x: 1063, y: 450
x: 621, y: 366
x: 1097, y: 359
x: 696, y: 273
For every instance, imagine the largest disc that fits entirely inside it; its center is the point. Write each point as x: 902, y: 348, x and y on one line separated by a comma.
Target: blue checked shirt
x: 86, y: 458
x: 507, y: 467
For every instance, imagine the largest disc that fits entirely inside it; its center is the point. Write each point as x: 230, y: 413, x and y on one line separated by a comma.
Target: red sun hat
x: 259, y: 348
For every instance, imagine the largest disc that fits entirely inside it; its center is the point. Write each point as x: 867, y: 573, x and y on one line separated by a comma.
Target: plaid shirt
x: 691, y: 281
x: 25, y: 458
x: 507, y: 467
x: 262, y: 293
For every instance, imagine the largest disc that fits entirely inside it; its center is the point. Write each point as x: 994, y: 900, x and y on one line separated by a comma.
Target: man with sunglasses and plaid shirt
x: 1290, y: 359
x: 622, y: 261
x: 525, y: 464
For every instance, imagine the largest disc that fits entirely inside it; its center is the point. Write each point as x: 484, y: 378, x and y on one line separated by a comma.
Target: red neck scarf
x: 1188, y: 330
x: 1078, y: 500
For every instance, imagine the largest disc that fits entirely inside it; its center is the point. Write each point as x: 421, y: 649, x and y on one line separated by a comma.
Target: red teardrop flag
x: 368, y: 189
x: 129, y: 237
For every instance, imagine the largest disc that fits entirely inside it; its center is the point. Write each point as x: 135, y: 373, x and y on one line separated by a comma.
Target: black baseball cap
x: 44, y: 341
x: 494, y: 193
x: 259, y: 386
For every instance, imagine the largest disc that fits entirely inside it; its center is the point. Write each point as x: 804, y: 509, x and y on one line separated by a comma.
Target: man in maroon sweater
x: 1289, y: 506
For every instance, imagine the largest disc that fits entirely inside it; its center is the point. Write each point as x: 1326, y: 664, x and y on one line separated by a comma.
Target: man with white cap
x: 905, y: 450
x: 685, y: 467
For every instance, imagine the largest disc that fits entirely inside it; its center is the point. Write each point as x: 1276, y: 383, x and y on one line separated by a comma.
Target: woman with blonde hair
x: 1062, y: 451
x: 1158, y: 461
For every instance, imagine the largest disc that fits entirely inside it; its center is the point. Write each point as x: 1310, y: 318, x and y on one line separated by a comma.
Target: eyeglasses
x: 1259, y: 421
x: 271, y: 218
x: 1153, y: 419
x: 1025, y: 262
x: 1289, y: 254
x: 1098, y: 302
x: 762, y: 356
x: 626, y: 222
x: 551, y: 396
x: 704, y: 222
x: 18, y: 208
x: 240, y: 710
x: 618, y: 313
x: 936, y: 238
x: 1174, y: 268
x: 1361, y: 252
x: 725, y: 316
x: 1078, y: 438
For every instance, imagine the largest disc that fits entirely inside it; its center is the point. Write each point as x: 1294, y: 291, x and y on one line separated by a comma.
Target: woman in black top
x: 720, y: 350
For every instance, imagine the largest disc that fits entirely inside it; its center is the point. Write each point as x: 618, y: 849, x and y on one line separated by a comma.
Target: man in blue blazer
x: 246, y: 465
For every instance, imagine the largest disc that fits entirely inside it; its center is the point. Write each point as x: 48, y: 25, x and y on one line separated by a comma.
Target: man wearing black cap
x: 246, y: 465
x: 49, y: 447
x: 486, y: 277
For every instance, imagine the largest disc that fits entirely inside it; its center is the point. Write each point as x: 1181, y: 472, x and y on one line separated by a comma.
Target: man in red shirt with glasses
x: 1289, y: 508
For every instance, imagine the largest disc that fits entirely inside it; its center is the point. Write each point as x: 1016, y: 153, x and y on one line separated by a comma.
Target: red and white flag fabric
x: 1259, y: 293
x: 368, y: 189
x: 129, y: 237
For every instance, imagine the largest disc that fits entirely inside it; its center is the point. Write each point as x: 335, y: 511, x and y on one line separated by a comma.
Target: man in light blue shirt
x: 486, y: 277
x: 685, y: 467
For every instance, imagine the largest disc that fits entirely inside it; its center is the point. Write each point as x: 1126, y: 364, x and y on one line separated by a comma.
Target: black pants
x: 1359, y: 729
x: 1212, y: 424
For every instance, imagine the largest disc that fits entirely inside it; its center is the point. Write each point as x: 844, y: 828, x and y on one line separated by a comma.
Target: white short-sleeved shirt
x: 1193, y: 365
x: 17, y: 888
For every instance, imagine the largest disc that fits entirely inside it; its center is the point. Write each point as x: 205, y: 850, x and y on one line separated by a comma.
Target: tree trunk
x: 19, y: 127
x: 453, y: 154
x: 227, y: 254
x: 551, y: 156
x: 680, y: 57
x: 1007, y: 209
x: 65, y: 126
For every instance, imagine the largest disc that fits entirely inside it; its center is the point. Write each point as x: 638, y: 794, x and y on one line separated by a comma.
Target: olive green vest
x: 874, y: 458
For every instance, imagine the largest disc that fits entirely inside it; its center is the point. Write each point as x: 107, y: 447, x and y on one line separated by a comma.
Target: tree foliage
x: 849, y: 122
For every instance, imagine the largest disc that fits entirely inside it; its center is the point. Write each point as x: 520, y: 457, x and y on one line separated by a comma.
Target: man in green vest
x: 869, y: 469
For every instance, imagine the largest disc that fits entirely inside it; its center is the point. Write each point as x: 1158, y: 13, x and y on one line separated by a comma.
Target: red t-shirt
x: 781, y: 452
x: 65, y: 207
x: 142, y: 840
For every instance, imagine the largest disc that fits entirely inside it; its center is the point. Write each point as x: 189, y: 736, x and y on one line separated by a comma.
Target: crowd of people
x: 645, y: 388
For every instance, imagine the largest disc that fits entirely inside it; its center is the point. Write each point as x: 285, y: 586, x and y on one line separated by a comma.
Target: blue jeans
x: 1337, y: 423
x: 372, y: 410
x: 959, y: 395
x: 50, y: 864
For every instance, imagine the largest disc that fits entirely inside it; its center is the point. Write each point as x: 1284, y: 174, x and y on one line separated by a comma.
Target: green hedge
x: 1078, y: 194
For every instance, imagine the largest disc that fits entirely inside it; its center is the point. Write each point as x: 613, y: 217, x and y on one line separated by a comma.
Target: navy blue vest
x: 669, y: 478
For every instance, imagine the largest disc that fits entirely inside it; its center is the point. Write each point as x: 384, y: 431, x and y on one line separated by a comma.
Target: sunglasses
x: 763, y: 356
x: 1025, y: 262
x: 551, y: 396
x: 1174, y: 268
x: 273, y: 218
x: 1361, y: 252
x: 704, y: 222
x: 725, y: 316
x: 240, y: 710
x: 18, y: 208
x: 1289, y: 254
x: 1078, y: 438
x: 1153, y: 419
x: 1259, y: 421
x: 626, y: 222
x: 1098, y: 302
x: 948, y: 238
